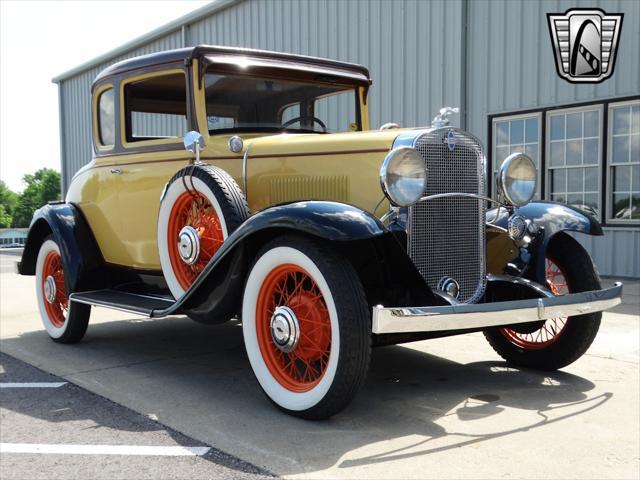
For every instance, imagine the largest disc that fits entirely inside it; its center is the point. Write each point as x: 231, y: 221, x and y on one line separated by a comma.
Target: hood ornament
x: 442, y: 119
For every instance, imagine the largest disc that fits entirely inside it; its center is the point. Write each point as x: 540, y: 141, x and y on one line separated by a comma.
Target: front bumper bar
x: 484, y: 315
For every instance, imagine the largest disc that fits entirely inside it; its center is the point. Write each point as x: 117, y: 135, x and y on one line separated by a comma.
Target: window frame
x: 164, y: 142
x: 95, y: 106
x: 599, y: 106
x: 610, y: 166
x: 605, y: 121
x: 510, y: 117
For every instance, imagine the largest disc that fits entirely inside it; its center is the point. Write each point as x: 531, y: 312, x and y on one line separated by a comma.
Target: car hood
x: 310, y: 143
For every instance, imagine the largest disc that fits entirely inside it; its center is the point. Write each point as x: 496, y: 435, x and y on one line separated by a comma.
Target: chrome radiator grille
x: 447, y: 235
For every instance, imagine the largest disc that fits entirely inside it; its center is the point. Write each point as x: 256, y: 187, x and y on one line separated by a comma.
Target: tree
x: 8, y: 203
x: 42, y: 187
x: 5, y: 217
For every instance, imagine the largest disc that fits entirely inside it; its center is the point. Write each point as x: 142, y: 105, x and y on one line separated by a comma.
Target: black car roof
x: 189, y: 53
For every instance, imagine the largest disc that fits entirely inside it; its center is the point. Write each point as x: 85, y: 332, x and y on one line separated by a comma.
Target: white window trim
x: 610, y: 165
x: 494, y: 138
x: 547, y: 148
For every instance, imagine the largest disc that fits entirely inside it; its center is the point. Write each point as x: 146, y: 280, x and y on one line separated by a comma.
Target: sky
x: 41, y: 39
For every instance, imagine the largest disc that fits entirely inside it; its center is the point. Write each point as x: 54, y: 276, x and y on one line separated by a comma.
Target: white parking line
x: 172, y: 451
x: 32, y: 384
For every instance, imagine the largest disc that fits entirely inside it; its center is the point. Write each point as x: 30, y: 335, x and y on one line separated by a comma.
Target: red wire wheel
x: 552, y: 329
x: 301, y: 369
x: 58, y: 308
x: 194, y: 210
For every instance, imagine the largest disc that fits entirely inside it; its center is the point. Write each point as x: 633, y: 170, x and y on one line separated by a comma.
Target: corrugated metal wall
x: 417, y: 52
x: 75, y: 96
x: 401, y: 42
x: 520, y: 73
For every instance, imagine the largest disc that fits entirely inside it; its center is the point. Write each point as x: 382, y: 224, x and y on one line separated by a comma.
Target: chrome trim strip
x: 484, y: 315
x: 456, y: 194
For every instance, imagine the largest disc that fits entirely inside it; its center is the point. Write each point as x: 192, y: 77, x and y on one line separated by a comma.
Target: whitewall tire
x: 306, y: 327
x: 64, y: 321
x: 200, y: 208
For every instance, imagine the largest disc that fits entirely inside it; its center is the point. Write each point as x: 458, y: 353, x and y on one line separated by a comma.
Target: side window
x: 106, y: 118
x: 156, y: 108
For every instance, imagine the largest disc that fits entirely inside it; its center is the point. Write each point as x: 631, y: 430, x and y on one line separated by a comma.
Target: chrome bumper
x: 481, y: 315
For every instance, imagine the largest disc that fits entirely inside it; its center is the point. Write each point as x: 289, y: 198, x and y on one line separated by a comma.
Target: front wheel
x: 306, y: 327
x: 556, y: 342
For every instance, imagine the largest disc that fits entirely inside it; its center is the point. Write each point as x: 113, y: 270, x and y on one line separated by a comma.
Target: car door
x: 154, y: 120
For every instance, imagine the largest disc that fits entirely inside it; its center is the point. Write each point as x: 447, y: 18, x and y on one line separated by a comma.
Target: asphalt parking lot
x: 447, y: 408
x: 52, y: 429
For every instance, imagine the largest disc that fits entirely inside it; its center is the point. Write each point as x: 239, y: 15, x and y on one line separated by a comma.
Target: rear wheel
x: 306, y: 327
x: 65, y: 321
x: 556, y: 342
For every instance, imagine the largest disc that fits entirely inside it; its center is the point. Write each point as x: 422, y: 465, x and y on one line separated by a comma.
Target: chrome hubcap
x: 189, y: 245
x: 50, y: 289
x: 285, y: 329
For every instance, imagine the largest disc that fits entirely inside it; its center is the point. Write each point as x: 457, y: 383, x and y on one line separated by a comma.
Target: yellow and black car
x: 323, y: 237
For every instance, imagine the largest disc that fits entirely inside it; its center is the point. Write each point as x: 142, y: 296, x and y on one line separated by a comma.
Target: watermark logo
x: 585, y: 42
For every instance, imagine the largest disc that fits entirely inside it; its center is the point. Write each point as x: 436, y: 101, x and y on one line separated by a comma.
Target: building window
x: 573, y: 157
x: 624, y: 162
x: 517, y: 134
x: 106, y: 118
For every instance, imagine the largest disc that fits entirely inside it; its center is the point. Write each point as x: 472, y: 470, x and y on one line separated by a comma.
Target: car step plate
x: 124, y: 301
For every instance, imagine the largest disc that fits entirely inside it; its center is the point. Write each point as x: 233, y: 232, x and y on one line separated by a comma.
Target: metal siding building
x: 422, y: 55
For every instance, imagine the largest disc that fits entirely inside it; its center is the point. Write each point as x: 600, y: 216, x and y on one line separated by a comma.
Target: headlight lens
x: 403, y: 176
x: 518, y: 179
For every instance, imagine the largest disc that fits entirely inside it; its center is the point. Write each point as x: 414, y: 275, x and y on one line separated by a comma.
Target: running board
x: 123, y: 301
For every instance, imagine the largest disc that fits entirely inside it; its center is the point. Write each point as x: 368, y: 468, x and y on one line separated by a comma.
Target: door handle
x: 117, y: 171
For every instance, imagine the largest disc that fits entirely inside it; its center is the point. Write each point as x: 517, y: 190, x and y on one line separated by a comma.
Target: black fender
x: 551, y: 219
x: 216, y: 294
x: 81, y: 257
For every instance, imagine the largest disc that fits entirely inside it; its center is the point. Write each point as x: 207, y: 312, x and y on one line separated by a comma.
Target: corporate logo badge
x: 585, y: 42
x: 451, y: 140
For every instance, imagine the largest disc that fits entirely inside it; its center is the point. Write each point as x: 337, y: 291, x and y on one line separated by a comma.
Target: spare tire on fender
x: 200, y: 207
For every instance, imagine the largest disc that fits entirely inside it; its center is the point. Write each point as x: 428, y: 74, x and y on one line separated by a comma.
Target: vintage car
x: 288, y: 213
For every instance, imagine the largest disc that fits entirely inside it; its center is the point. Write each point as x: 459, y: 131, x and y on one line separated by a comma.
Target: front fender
x: 551, y: 218
x: 81, y: 257
x: 217, y: 291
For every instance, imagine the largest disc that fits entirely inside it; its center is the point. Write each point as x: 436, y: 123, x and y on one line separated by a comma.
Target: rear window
x: 106, y: 118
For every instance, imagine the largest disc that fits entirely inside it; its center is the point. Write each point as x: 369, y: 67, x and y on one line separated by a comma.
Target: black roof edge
x: 189, y: 53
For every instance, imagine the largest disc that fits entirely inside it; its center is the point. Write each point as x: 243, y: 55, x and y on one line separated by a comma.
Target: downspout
x: 464, y: 70
x: 64, y: 184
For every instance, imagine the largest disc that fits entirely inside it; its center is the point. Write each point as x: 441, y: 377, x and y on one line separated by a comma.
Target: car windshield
x: 239, y: 102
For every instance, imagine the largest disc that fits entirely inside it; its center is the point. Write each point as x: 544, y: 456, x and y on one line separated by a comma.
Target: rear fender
x: 551, y: 219
x: 81, y: 257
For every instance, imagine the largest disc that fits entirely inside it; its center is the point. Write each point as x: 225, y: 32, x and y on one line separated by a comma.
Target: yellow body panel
x: 119, y: 193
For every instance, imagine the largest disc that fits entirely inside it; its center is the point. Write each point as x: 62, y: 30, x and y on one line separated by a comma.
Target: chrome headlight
x: 518, y: 179
x: 403, y: 176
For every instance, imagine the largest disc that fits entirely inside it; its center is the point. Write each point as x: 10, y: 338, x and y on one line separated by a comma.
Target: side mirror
x: 194, y: 142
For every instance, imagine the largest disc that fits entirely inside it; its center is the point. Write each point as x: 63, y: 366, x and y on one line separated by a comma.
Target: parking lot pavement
x: 447, y: 408
x: 42, y: 413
